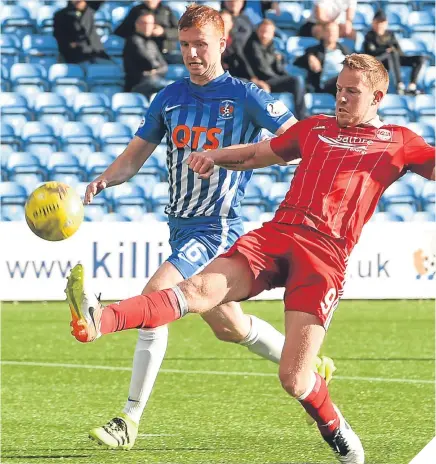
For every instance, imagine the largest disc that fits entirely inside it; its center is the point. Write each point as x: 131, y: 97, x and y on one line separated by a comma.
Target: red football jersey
x: 344, y: 171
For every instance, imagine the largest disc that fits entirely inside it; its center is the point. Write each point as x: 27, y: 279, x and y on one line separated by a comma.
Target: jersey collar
x: 375, y: 122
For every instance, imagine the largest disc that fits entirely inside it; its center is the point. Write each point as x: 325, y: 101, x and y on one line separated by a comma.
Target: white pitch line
x: 196, y: 372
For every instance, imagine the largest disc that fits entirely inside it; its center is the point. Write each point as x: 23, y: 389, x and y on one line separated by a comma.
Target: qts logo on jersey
x: 184, y: 136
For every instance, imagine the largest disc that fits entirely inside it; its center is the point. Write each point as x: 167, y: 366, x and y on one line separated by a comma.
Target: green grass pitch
x: 215, y: 402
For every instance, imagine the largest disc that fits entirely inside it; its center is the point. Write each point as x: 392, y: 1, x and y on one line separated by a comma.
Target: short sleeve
x: 265, y: 111
x: 152, y: 127
x: 419, y: 156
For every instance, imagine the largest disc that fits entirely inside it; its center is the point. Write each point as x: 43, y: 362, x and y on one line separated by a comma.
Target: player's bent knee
x: 293, y: 383
x: 228, y: 334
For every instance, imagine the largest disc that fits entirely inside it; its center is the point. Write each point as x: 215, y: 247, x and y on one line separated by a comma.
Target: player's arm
x: 245, y: 157
x: 419, y: 156
x: 123, y: 168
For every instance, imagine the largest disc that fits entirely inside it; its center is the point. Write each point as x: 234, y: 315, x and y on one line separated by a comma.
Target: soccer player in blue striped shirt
x: 210, y: 109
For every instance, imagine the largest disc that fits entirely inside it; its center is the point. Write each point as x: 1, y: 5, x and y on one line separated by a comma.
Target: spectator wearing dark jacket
x: 324, y: 61
x: 266, y: 67
x: 75, y: 32
x: 382, y: 43
x: 144, y: 64
x: 242, y: 26
x: 165, y: 32
x: 233, y: 58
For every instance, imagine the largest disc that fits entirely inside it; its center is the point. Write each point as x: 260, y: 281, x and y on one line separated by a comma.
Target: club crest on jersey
x: 276, y: 109
x: 384, y: 134
x: 227, y: 109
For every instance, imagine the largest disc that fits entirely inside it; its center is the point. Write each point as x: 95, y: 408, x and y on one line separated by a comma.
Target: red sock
x: 143, y: 311
x: 320, y: 407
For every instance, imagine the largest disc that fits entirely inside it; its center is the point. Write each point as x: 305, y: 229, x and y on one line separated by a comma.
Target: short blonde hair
x: 373, y: 70
x: 199, y: 16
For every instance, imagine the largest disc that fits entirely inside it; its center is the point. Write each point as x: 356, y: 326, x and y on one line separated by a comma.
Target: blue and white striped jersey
x: 226, y: 111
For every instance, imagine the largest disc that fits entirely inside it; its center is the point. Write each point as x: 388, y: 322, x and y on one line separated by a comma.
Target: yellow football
x: 54, y: 211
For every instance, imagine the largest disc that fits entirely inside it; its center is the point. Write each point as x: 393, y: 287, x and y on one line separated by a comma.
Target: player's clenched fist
x: 201, y: 163
x: 93, y: 189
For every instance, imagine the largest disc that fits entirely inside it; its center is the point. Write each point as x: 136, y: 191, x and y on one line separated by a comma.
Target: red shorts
x: 310, y: 266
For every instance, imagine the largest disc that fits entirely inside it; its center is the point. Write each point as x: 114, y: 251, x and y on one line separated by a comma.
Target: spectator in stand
x: 144, y: 64
x: 326, y: 11
x: 233, y: 59
x: 382, y: 43
x: 266, y: 66
x: 324, y: 61
x: 165, y: 32
x: 266, y: 6
x: 242, y: 26
x: 75, y: 32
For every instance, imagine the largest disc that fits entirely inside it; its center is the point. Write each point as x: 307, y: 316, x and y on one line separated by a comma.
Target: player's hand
x: 201, y: 163
x: 93, y: 189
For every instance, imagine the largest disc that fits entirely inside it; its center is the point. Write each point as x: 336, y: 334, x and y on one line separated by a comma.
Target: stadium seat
x: 426, y: 131
x: 67, y: 80
x: 12, y: 213
x: 8, y: 137
x: 69, y: 179
x: 23, y: 163
x: 132, y: 213
x: 44, y: 19
x: 263, y: 181
x: 425, y: 107
x: 428, y: 196
x: 296, y: 46
x: 77, y: 133
x: 65, y: 163
x: 412, y: 47
x: 290, y: 18
x: 129, y: 194
x: 405, y: 211
x: 28, y: 78
x: 424, y: 216
x: 361, y: 21
x: 398, y: 193
x: 16, y: 19
x: 118, y: 14
x: 386, y: 217
x: 320, y: 103
x: 114, y: 47
x: 251, y: 212
x: 103, y: 22
x: 114, y: 134
x: 114, y: 217
x: 154, y: 217
x: 96, y: 163
x: 52, y: 109
x: 287, y: 98
x: 12, y: 193
x: 277, y: 194
x: 152, y: 168
x: 5, y: 82
x: 160, y: 197
x: 421, y: 21
x: 41, y: 49
x: 92, y: 109
x: 105, y: 78
x: 38, y: 133
x: 10, y: 47
x: 416, y: 181
x: 266, y: 217
x: 14, y: 110
x: 94, y: 213
x: 394, y: 105
x: 176, y: 71
x: 254, y: 196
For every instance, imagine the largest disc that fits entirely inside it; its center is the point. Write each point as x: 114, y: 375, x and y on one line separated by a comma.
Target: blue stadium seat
x: 52, y: 109
x: 404, y: 210
x: 16, y: 19
x: 394, y: 105
x: 103, y: 22
x: 96, y: 163
x: 77, y: 133
x: 176, y: 71
x: 67, y: 80
x: 421, y: 21
x: 386, y: 217
x: 14, y: 110
x: 320, y: 103
x: 397, y: 23
x: 416, y: 181
x: 254, y: 196
x: 277, y: 194
x: 8, y: 137
x: 287, y: 98
x: 290, y: 18
x: 94, y: 213
x: 28, y: 78
x: 41, y: 49
x: 428, y: 196
x: 160, y: 197
x: 154, y: 217
x: 12, y: 213
x: 251, y: 212
x: 129, y: 103
x: 426, y: 131
x: 23, y: 163
x: 361, y: 21
x: 44, y: 19
x: 114, y: 47
x: 263, y: 181
x: 105, y: 78
x: 147, y: 182
x: 114, y: 217
x: 69, y: 179
x: 132, y: 213
x: 65, y: 163
x: 412, y: 47
x: 92, y: 109
x: 10, y: 47
x: 12, y: 193
x: 424, y: 107
x: 266, y: 217
x: 424, y: 216
x: 129, y: 194
x: 296, y: 46
x: 152, y: 168
x: 399, y: 193
x: 115, y: 133
x: 118, y: 14
x: 5, y: 82
x: 38, y: 133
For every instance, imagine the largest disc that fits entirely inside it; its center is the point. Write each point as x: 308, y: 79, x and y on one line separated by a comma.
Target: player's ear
x: 222, y: 44
x: 378, y: 95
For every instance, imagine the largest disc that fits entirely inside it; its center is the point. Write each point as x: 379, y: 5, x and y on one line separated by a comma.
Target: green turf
x: 210, y: 418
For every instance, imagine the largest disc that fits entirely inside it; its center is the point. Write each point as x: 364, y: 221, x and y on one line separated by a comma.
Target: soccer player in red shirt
x: 347, y: 162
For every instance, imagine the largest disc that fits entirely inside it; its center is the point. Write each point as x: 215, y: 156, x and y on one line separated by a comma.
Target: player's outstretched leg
x: 85, y: 307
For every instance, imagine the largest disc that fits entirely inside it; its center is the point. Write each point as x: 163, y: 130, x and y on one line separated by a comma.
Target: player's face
x: 354, y: 98
x: 201, y: 50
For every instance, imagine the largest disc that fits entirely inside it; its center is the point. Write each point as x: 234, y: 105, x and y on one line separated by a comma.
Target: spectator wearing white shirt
x: 326, y: 11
